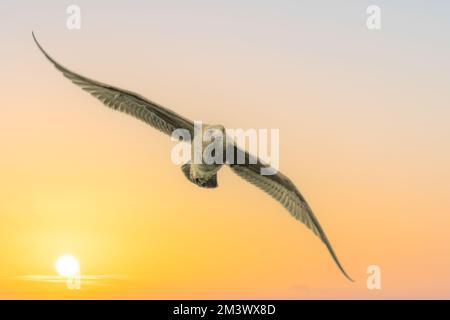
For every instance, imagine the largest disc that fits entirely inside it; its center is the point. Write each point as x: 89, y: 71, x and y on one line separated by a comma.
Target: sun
x: 67, y: 265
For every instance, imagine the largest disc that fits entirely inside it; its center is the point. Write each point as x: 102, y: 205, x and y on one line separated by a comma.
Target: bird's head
x: 209, y: 137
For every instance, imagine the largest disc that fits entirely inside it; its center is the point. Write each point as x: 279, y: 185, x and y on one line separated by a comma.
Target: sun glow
x: 67, y: 266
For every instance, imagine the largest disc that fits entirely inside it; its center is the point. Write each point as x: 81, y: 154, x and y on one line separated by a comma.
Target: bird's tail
x: 210, y: 183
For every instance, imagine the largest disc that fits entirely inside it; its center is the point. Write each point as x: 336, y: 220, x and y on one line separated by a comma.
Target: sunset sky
x: 364, y: 134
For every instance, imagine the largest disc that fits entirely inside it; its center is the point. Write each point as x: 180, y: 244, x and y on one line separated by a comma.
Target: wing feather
x: 285, y: 192
x: 125, y: 101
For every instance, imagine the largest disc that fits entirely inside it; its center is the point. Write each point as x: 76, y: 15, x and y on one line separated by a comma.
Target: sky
x: 363, y: 118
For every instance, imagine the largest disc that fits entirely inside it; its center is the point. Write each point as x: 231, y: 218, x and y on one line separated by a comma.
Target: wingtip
x: 345, y: 273
x: 335, y: 258
x: 35, y: 40
x: 42, y: 49
x: 338, y: 263
x: 349, y: 278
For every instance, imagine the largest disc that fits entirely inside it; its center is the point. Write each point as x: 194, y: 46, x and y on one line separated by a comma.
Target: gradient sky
x: 364, y: 133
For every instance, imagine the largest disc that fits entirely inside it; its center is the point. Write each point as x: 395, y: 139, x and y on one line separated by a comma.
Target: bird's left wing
x: 285, y: 192
x: 131, y: 103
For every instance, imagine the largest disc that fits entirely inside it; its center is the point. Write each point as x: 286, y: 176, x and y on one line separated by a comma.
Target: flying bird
x: 203, y: 175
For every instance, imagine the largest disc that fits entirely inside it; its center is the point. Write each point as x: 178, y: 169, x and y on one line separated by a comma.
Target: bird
x: 277, y: 185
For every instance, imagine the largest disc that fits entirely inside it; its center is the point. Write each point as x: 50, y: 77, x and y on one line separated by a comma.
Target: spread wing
x: 131, y: 103
x: 285, y: 192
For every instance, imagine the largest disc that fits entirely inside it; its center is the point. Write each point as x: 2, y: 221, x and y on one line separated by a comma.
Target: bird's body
x: 203, y: 174
x: 198, y: 171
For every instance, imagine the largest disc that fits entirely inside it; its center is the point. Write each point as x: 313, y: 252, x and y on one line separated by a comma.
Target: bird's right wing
x: 131, y: 103
x: 281, y: 188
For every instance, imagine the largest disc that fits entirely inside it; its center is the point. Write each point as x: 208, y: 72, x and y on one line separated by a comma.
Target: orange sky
x: 363, y: 119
